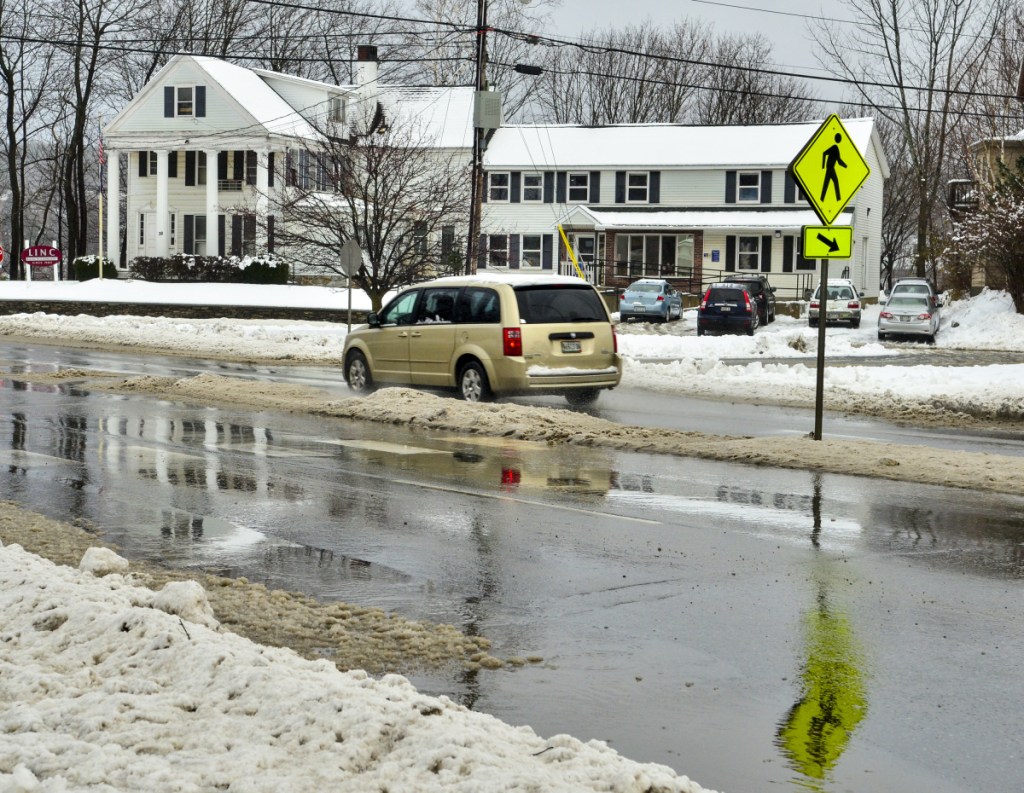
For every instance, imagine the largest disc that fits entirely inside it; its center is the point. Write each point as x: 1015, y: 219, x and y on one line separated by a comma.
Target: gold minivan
x: 489, y: 335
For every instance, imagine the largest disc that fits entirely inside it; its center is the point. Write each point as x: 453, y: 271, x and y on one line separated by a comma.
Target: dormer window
x: 336, y: 110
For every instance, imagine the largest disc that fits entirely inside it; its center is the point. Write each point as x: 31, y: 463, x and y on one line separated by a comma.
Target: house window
x: 748, y: 253
x: 579, y: 188
x: 419, y: 238
x: 533, y: 187
x: 637, y: 188
x: 248, y: 235
x: 498, y: 187
x: 183, y: 105
x: 531, y: 250
x: 201, y: 167
x: 497, y: 250
x: 749, y: 183
x: 152, y: 163
x: 336, y: 110
x: 198, y: 235
x: 654, y: 255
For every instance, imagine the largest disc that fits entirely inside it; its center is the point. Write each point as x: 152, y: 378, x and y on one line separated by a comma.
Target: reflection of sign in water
x: 817, y: 728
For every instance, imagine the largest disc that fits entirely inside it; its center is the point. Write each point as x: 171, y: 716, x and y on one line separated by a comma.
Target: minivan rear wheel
x: 357, y: 373
x: 473, y: 385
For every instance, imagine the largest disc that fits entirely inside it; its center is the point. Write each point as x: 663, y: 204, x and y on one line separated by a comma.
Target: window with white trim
x: 153, y: 157
x: 749, y: 186
x: 198, y: 235
x: 654, y: 255
x: 579, y: 188
x: 531, y: 251
x: 748, y: 253
x: 497, y: 250
x: 184, y: 100
x: 533, y: 188
x: 638, y: 188
x: 336, y: 110
x: 200, y: 166
x: 498, y: 187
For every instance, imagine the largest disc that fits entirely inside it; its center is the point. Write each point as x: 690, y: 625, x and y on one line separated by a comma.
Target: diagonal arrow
x: 833, y: 246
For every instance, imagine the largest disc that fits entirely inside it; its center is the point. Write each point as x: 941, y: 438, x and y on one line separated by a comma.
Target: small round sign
x: 41, y: 256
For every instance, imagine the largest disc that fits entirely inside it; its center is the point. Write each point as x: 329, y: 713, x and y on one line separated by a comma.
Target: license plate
x: 725, y: 309
x: 571, y: 346
x: 639, y: 307
x: 904, y: 319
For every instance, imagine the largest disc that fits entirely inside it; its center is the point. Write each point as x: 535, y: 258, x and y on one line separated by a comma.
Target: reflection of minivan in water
x: 488, y: 335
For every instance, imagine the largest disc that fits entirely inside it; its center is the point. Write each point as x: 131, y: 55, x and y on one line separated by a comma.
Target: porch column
x: 113, y: 251
x: 162, y: 205
x: 262, y: 199
x: 212, y: 241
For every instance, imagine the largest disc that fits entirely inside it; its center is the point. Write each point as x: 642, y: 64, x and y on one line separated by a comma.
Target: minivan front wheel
x: 357, y: 373
x: 473, y: 385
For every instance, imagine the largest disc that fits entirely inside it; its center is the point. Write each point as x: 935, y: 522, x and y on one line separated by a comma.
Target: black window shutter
x: 766, y: 187
x: 236, y: 235
x: 190, y: 169
x: 560, y: 190
x: 516, y: 187
x: 270, y: 233
x: 549, y: 187
x: 730, y: 253
x: 200, y: 101
x: 481, y: 253
x: 790, y: 190
x: 220, y: 232
x: 766, y: 253
x: 168, y: 101
x: 595, y: 187
x: 620, y: 187
x: 270, y: 169
x: 143, y: 163
x: 238, y: 166
x: 800, y: 260
x: 654, y: 188
x: 787, y: 254
x: 190, y: 233
x: 545, y: 251
x: 222, y: 165
x: 513, y: 251
x: 730, y: 187
x: 172, y: 165
x: 250, y: 167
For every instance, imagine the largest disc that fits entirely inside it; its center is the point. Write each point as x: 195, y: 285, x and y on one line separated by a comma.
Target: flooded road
x: 756, y: 629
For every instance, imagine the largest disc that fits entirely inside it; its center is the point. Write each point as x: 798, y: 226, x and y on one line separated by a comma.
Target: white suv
x: 487, y: 335
x: 842, y: 304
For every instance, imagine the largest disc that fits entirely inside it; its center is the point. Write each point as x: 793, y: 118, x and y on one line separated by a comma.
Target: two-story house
x: 687, y: 203
x: 208, y: 143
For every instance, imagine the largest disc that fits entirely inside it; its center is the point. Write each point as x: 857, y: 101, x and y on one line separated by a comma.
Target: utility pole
x: 477, y: 187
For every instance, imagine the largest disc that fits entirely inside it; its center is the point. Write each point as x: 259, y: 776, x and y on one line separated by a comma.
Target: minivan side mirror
x: 373, y: 320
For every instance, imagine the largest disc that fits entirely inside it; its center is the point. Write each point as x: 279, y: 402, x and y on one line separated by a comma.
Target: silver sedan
x: 908, y: 315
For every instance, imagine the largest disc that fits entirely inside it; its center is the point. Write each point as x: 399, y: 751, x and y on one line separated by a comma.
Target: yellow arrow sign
x: 828, y: 242
x: 829, y: 169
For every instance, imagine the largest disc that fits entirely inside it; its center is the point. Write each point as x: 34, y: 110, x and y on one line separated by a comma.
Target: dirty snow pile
x: 111, y: 686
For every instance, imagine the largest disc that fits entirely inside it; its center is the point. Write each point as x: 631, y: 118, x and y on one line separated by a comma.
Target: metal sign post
x: 351, y: 261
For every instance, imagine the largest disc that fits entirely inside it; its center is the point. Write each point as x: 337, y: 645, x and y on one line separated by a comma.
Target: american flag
x: 103, y: 154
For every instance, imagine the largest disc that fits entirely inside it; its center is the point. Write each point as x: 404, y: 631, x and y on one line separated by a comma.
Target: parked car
x: 762, y: 292
x: 915, y: 286
x: 909, y: 314
x: 727, y: 307
x: 650, y: 299
x: 489, y: 335
x: 842, y: 303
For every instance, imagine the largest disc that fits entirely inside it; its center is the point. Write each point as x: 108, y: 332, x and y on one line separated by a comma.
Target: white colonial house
x: 687, y: 203
x: 208, y: 142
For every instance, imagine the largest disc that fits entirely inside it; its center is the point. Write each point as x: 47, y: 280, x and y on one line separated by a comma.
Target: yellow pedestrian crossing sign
x: 827, y: 242
x: 829, y: 169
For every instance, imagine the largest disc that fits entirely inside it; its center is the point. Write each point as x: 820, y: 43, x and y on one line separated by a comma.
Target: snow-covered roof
x: 696, y: 219
x: 258, y: 98
x: 441, y: 117
x: 553, y: 147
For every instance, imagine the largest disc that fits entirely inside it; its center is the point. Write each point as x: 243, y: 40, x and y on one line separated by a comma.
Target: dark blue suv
x: 727, y: 308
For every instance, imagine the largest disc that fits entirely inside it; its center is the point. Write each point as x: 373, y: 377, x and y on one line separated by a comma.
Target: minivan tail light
x: 512, y: 339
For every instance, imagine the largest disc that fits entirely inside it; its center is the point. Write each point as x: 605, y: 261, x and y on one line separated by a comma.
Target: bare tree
x: 899, y: 212
x: 918, y: 63
x: 740, y: 88
x: 399, y: 198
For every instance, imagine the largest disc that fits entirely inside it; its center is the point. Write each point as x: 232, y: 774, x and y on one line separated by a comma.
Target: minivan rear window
x: 546, y: 304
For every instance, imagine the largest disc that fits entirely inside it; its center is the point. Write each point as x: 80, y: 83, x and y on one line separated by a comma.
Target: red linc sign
x: 41, y: 256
